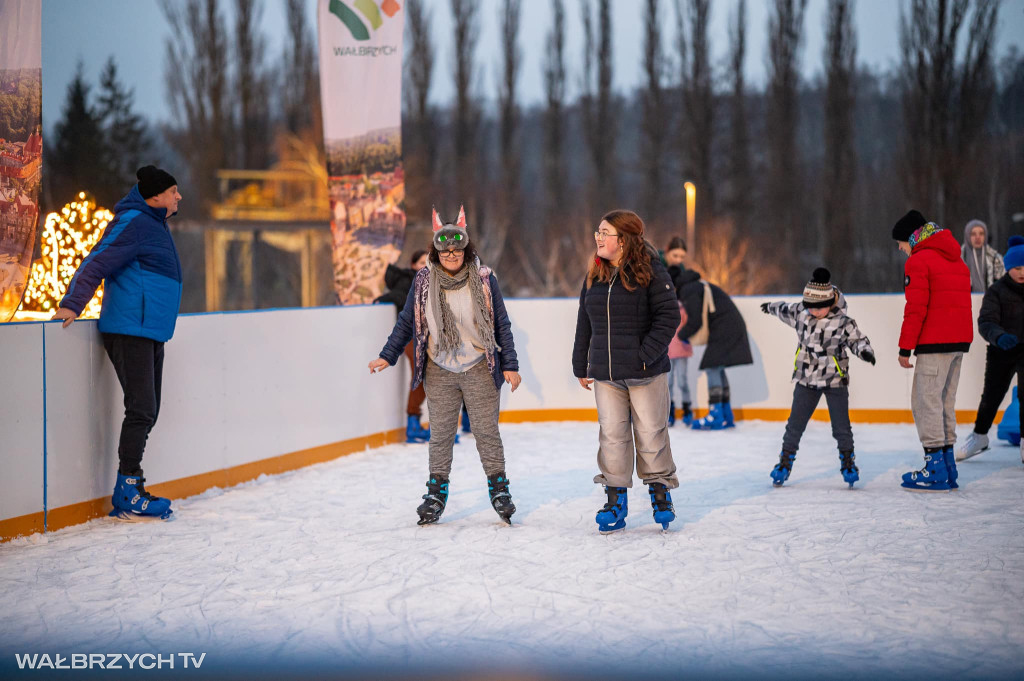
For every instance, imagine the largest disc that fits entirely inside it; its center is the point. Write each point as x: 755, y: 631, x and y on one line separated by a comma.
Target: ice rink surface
x: 324, y: 571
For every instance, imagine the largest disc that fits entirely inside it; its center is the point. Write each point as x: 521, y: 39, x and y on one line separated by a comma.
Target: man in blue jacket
x: 137, y: 259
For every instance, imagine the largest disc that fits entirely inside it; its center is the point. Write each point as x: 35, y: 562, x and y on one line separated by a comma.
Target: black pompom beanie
x: 153, y: 181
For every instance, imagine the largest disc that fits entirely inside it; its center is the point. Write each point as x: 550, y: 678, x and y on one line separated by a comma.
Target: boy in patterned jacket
x: 821, y: 367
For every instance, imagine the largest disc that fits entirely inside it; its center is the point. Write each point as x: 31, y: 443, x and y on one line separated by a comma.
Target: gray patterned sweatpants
x: 446, y: 391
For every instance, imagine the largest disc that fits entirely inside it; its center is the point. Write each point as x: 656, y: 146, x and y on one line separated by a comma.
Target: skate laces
x: 141, y: 489
x: 659, y: 497
x: 786, y: 461
x: 846, y: 461
x: 613, y: 503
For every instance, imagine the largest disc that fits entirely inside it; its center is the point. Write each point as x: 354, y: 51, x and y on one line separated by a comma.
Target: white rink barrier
x: 257, y: 392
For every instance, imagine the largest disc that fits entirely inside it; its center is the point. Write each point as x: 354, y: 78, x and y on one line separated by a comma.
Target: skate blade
x: 612, y: 529
x: 129, y: 517
x: 427, y: 521
x: 963, y: 457
x: 924, y: 489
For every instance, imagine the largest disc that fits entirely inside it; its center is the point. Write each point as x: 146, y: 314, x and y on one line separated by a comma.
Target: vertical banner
x: 361, y: 91
x: 21, y: 145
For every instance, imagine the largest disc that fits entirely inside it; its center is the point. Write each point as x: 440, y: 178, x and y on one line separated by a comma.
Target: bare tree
x: 597, y: 104
x: 653, y: 124
x: 253, y: 86
x: 740, y: 179
x: 300, y: 86
x: 420, y: 153
x: 466, y: 113
x: 196, y: 68
x: 946, y: 102
x: 554, y: 113
x: 785, y: 36
x: 509, y: 205
x: 840, y: 156
x: 697, y: 130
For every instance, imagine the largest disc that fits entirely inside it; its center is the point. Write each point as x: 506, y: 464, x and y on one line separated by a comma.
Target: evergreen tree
x: 128, y: 143
x: 78, y: 160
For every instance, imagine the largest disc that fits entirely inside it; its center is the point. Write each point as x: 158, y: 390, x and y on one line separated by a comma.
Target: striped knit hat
x: 819, y: 291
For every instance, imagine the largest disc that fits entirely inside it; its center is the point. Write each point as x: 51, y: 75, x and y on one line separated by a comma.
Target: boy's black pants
x: 805, y: 400
x: 139, y: 363
x: 1000, y: 366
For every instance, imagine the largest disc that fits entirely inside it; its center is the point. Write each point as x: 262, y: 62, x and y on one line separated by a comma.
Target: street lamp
x: 691, y: 209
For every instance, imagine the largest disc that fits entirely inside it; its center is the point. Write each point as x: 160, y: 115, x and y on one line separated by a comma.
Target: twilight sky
x: 135, y: 32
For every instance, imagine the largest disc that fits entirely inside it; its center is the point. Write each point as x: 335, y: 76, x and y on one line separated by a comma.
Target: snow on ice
x: 326, y: 566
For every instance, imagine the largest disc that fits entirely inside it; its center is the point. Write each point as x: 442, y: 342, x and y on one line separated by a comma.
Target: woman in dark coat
x: 627, y: 315
x: 727, y: 344
x: 464, y: 352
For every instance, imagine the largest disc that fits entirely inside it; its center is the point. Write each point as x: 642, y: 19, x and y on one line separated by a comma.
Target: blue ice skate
x: 671, y: 413
x: 132, y: 503
x: 415, y: 432
x: 1009, y: 427
x: 687, y: 414
x: 783, y: 468
x: 934, y: 477
x: 466, y: 428
x: 661, y: 502
x: 949, y: 458
x: 717, y: 419
x: 612, y: 516
x: 848, y: 468
x: 501, y: 500
x: 434, y: 500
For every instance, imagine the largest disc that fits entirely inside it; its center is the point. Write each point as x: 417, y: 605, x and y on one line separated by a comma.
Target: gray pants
x: 805, y: 400
x: 933, y: 399
x: 446, y: 392
x: 634, y: 424
x: 678, y: 386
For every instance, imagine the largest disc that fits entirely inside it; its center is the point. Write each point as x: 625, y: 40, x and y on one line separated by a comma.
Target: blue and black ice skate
x: 934, y: 477
x: 434, y: 500
x: 612, y: 516
x: 783, y: 468
x: 501, y: 500
x: 848, y: 468
x: 132, y: 503
x: 661, y: 503
x: 949, y: 458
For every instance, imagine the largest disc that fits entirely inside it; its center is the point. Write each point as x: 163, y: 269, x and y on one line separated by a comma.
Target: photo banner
x: 361, y: 90
x: 21, y: 145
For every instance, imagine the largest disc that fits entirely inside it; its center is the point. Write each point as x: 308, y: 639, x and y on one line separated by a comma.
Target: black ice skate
x: 501, y: 500
x: 434, y: 500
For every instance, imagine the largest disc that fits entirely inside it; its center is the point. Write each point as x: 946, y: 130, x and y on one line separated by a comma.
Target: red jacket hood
x: 942, y: 241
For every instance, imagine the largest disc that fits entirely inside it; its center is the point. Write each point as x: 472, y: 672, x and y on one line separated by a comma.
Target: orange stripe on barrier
x: 742, y: 414
x: 74, y: 514
x: 20, y: 526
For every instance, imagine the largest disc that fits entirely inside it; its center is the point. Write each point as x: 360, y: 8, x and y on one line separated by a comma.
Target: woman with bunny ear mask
x: 464, y: 351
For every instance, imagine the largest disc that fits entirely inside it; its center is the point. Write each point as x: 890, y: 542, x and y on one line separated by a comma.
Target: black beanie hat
x: 153, y: 181
x: 907, y: 225
x: 819, y: 291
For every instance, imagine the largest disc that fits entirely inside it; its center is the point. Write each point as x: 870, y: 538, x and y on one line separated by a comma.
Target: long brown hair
x: 635, y: 263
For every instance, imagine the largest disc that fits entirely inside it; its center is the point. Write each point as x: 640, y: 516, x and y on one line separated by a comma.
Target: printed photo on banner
x: 361, y: 85
x: 21, y: 145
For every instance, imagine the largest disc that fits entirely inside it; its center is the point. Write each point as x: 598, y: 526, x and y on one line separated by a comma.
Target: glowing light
x: 67, y: 238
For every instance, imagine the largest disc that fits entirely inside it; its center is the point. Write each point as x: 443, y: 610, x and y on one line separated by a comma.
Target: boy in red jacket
x: 937, y: 327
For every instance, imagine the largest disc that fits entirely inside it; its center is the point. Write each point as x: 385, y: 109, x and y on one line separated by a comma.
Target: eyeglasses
x: 601, y: 236
x: 451, y: 255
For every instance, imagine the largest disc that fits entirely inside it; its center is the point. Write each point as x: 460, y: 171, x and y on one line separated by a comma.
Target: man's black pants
x: 139, y: 363
x: 1000, y: 366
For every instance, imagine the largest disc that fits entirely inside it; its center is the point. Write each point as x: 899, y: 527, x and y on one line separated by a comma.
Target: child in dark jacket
x: 821, y: 367
x: 1001, y: 323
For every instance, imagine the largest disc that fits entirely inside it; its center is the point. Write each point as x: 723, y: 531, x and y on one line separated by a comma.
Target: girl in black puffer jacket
x: 627, y: 316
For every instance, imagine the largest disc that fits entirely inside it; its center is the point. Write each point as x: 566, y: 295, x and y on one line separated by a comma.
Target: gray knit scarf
x: 440, y: 280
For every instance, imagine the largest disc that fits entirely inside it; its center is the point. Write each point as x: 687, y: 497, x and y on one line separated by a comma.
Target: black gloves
x: 764, y: 308
x: 868, y: 356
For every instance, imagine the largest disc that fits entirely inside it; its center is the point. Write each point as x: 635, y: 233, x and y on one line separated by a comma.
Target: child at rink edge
x: 820, y: 367
x: 1001, y: 323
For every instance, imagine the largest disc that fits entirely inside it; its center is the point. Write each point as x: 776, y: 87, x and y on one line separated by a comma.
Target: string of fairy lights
x: 67, y: 238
